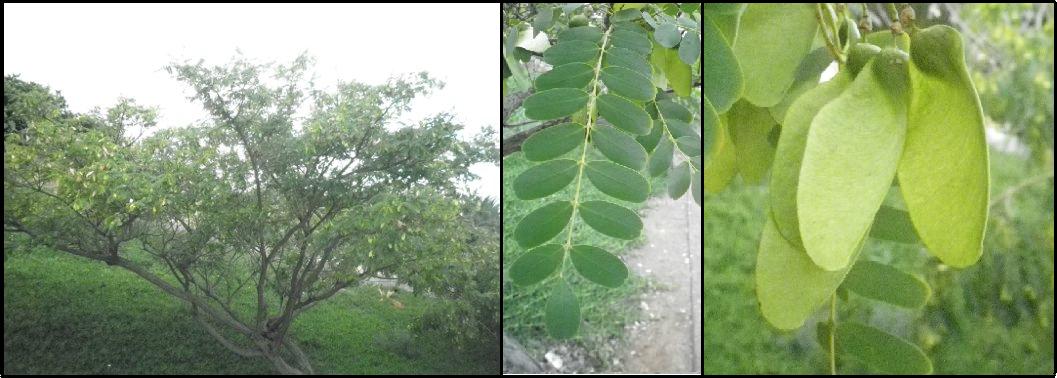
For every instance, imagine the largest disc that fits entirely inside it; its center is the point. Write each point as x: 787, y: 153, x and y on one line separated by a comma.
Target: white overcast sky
x: 94, y: 54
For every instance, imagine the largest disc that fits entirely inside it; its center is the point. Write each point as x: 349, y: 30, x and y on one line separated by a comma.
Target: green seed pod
x: 578, y: 20
x: 932, y: 50
x: 859, y: 55
x: 893, y: 68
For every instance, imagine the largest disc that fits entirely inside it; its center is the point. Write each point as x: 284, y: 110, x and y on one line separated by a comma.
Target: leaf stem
x: 828, y: 35
x: 832, y: 334
x: 583, y: 154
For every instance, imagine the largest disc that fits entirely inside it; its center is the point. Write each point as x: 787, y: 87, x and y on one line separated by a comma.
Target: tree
x: 258, y: 204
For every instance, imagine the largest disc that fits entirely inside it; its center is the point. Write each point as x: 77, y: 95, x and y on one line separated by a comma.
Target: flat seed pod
x: 881, y: 350
x: 563, y: 312
x: 553, y: 142
x: 554, y: 103
x: 722, y: 164
x: 722, y: 82
x: 575, y: 51
x: 750, y: 127
x: 545, y: 179
x: 887, y: 284
x: 536, y: 264
x: 619, y: 147
x: 598, y: 266
x: 611, y: 219
x: 769, y: 64
x: 679, y: 180
x: 944, y: 173
x: 850, y: 158
x: 581, y: 33
x: 618, y: 181
x: 727, y: 22
x: 572, y: 75
x: 623, y: 114
x: 621, y: 57
x: 661, y: 158
x: 708, y: 128
x: 893, y: 225
x: 785, y: 171
x: 628, y: 83
x: 543, y: 224
x: 789, y: 286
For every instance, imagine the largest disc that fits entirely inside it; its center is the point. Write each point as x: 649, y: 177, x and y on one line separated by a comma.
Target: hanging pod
x: 943, y: 173
x: 850, y: 158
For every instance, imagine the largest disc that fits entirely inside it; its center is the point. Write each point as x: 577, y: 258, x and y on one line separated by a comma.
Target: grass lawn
x: 994, y: 317
x: 67, y: 315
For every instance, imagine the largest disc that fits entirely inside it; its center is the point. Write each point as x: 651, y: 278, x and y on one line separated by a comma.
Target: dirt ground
x: 668, y: 339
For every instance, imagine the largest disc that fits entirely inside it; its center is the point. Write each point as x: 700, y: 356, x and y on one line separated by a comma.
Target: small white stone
x: 553, y: 359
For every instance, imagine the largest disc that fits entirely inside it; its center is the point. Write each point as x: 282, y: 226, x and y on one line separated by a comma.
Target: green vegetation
x: 994, y: 317
x: 65, y: 315
x: 605, y: 311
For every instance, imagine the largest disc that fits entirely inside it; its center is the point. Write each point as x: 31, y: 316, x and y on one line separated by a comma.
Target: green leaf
x: 631, y: 40
x: 807, y: 78
x: 695, y: 187
x: 678, y: 128
x: 690, y: 48
x: 553, y: 142
x: 623, y: 114
x: 628, y: 83
x: 537, y: 264
x: 575, y: 51
x: 893, y: 225
x: 619, y: 147
x: 789, y: 154
x: 672, y: 110
x: 581, y: 33
x: 572, y: 75
x: 789, y: 285
x: 944, y: 173
x: 661, y: 158
x: 887, y: 284
x: 545, y: 179
x: 599, y: 266
x: 852, y: 151
x: 769, y: 62
x: 618, y: 181
x: 724, y: 8
x: 625, y: 15
x: 690, y: 145
x: 750, y: 127
x: 543, y: 224
x: 677, y: 72
x: 649, y: 141
x: 667, y: 35
x: 722, y: 82
x: 563, y: 312
x: 679, y: 180
x: 621, y: 57
x: 554, y: 103
x: 610, y: 219
x: 544, y: 18
x: 881, y: 350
